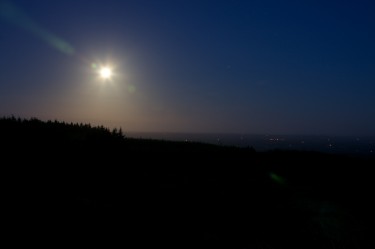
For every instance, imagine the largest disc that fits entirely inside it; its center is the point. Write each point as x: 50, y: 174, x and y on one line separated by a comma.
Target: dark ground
x: 78, y: 185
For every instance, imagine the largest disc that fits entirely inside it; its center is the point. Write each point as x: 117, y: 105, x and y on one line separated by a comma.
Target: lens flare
x: 14, y: 15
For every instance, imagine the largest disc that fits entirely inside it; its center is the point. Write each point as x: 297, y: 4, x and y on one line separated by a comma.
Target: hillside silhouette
x: 69, y: 182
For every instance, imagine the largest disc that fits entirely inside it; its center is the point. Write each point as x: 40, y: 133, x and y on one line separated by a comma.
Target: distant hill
x: 68, y: 182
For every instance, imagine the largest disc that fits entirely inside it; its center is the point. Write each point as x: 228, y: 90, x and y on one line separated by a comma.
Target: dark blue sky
x: 267, y: 66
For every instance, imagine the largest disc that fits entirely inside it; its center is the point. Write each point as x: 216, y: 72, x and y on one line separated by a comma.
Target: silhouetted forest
x: 65, y: 182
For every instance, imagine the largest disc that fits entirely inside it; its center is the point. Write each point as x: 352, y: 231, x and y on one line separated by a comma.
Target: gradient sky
x: 261, y: 66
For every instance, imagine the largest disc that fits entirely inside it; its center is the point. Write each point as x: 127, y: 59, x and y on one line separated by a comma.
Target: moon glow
x: 105, y: 73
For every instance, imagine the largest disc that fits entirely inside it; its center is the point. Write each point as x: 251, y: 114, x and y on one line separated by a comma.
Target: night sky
x: 262, y: 66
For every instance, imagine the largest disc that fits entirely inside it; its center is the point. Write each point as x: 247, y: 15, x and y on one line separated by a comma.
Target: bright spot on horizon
x: 105, y: 73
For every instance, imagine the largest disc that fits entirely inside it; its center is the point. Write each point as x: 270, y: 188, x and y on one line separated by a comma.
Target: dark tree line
x: 17, y: 128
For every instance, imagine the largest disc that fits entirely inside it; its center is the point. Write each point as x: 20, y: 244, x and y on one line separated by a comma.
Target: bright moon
x: 105, y: 73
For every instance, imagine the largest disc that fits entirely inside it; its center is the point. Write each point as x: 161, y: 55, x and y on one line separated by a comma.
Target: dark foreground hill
x: 79, y: 185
